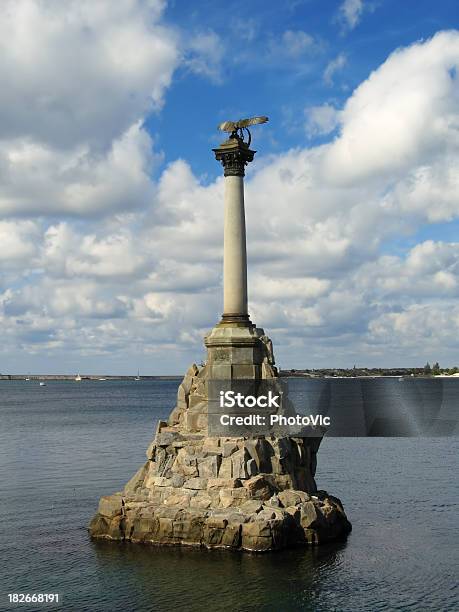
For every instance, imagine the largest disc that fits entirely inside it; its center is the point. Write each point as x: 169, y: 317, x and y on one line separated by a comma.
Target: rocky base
x: 253, y: 494
x: 288, y: 518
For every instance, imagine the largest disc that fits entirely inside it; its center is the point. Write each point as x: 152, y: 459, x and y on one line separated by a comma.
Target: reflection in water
x: 220, y: 580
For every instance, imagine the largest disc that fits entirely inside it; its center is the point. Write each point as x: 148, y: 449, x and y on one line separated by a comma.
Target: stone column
x: 236, y: 348
x: 234, y: 255
x: 234, y: 154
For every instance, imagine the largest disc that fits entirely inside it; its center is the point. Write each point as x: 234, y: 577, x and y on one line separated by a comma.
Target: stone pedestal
x: 253, y: 494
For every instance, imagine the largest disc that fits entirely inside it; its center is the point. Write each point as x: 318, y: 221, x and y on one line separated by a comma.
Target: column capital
x: 234, y: 154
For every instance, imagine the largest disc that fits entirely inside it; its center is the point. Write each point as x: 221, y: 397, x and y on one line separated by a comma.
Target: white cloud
x: 147, y: 279
x: 18, y: 240
x: 37, y: 179
x: 297, y: 42
x: 403, y: 117
x: 78, y: 77
x: 333, y: 67
x: 429, y: 270
x: 293, y: 50
x: 204, y: 54
x: 61, y: 60
x: 350, y: 12
x: 321, y: 120
x: 419, y: 326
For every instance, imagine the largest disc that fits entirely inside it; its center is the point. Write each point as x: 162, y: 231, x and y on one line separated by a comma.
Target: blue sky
x: 111, y: 201
x: 257, y: 75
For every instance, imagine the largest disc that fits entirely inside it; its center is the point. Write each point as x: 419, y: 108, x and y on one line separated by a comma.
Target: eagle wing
x: 251, y: 121
x: 230, y: 126
x: 227, y: 126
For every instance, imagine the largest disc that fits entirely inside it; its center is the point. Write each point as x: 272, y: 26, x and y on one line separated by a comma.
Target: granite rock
x: 236, y: 493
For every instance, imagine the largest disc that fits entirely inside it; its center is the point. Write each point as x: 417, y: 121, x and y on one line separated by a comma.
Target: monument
x: 252, y: 492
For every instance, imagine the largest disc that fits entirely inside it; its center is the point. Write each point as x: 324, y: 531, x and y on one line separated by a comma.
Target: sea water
x: 64, y: 445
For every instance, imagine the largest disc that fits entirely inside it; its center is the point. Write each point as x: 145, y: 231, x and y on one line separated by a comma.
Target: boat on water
x: 77, y: 378
x: 102, y: 379
x: 138, y: 375
x: 42, y: 384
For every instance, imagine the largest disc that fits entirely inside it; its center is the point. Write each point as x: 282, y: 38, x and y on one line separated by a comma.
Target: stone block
x: 160, y: 425
x: 226, y: 498
x: 212, y: 536
x: 166, y: 529
x: 211, y: 445
x: 178, y: 499
x: 309, y: 515
x: 231, y: 537
x: 267, y: 371
x: 165, y: 438
x: 227, y: 483
x: 208, y: 467
x: 283, y: 481
x: 174, y: 417
x: 246, y: 372
x: 266, y: 514
x: 191, y: 421
x: 257, y: 543
x: 197, y: 403
x: 292, y: 498
x: 177, y: 480
x: 110, y: 505
x: 193, y: 370
x: 241, y: 494
x: 160, y: 481
x: 149, y: 475
x: 260, y: 450
x: 259, y: 487
x: 257, y: 528
x: 201, y: 500
x: 252, y: 468
x: 220, y: 371
x: 294, y: 511
x: 138, y: 479
x: 182, y: 395
x: 239, y: 463
x: 229, y: 448
x: 189, y: 530
x: 150, y: 453
x: 195, y: 483
x: 276, y: 465
x: 251, y: 506
x: 274, y: 502
x: 217, y: 520
x: 201, y: 422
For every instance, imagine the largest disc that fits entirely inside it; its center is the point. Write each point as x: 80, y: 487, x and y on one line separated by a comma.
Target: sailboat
x: 77, y: 378
x: 138, y: 375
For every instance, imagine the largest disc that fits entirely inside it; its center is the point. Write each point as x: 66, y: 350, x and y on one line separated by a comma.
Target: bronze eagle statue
x: 237, y: 128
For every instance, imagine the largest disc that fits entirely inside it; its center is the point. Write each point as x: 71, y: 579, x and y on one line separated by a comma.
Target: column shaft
x: 235, y: 254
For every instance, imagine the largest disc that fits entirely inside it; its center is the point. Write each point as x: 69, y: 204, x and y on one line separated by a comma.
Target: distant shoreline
x: 100, y: 377
x: 319, y: 373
